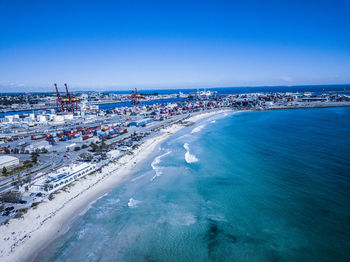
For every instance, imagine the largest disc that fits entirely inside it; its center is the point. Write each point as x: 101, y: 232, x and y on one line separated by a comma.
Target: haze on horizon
x: 118, y: 45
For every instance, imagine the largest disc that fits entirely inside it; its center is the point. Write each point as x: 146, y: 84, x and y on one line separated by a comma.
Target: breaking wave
x: 133, y: 202
x: 190, y: 158
x: 155, y: 166
x: 197, y: 129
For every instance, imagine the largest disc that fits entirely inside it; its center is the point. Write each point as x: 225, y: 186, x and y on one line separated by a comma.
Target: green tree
x: 19, y: 180
x: 94, y: 147
x: 103, y: 145
x: 34, y: 156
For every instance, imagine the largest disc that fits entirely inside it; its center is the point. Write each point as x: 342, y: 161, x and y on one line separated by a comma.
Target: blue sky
x: 111, y: 45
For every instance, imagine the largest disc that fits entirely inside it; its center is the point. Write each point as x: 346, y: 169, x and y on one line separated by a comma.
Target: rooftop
x: 5, y: 159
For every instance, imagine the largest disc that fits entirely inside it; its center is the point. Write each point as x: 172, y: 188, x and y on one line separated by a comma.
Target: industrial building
x: 8, y: 161
x: 141, y: 122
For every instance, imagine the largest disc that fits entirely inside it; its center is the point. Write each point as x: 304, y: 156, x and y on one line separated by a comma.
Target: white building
x: 63, y: 177
x: 8, y: 161
x: 38, y: 146
x: 41, y: 118
x: 9, y: 118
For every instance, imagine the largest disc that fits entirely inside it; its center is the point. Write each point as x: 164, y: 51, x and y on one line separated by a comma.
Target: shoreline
x: 22, y: 239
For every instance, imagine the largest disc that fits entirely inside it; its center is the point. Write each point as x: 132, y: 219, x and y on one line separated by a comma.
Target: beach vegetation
x: 135, y: 146
x: 18, y: 215
x: 35, y: 204
x: 23, y: 210
x: 51, y: 197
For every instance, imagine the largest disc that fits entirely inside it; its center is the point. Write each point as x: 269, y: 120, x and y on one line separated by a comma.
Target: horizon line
x: 191, y: 88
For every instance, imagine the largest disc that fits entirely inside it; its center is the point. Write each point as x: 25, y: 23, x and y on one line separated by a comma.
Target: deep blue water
x: 251, y: 186
x: 250, y: 89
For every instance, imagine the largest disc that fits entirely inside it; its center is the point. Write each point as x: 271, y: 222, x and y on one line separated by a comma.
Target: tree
x: 103, y: 145
x: 86, y: 156
x: 19, y: 180
x: 27, y: 163
x: 94, y: 147
x: 44, y: 150
x: 28, y: 180
x: 34, y: 156
x: 4, y: 170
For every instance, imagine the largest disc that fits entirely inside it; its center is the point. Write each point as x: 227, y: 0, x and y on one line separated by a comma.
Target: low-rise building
x: 113, y: 154
x: 63, y: 177
x: 38, y: 146
x: 141, y: 122
x: 8, y: 161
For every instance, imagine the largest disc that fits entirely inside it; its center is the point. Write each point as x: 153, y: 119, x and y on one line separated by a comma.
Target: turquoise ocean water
x: 250, y: 186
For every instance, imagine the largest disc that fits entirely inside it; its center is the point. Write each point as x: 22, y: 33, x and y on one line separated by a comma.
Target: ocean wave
x: 213, y: 122
x: 156, y: 162
x: 197, y: 129
x: 133, y: 202
x: 190, y: 158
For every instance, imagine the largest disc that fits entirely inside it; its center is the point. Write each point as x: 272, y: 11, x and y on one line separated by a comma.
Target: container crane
x: 135, y: 97
x: 68, y: 104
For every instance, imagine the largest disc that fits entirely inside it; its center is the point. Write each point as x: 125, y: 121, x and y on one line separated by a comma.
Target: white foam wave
x: 186, y: 146
x: 156, y: 162
x: 197, y: 129
x: 133, y: 202
x: 213, y: 122
x: 190, y: 158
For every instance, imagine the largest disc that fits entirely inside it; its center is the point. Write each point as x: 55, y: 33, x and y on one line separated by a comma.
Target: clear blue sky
x: 108, y: 45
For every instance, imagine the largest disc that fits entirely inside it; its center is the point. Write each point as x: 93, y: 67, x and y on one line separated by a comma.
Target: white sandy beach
x: 22, y: 238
